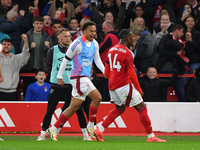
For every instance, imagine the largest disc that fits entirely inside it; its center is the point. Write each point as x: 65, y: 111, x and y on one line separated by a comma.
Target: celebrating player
x: 82, y: 52
x: 123, y: 85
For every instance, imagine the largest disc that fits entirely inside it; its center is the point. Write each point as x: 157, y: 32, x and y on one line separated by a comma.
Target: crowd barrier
x: 165, y: 117
x: 171, y: 94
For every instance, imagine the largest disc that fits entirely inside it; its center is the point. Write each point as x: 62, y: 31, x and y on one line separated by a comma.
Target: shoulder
x: 96, y: 43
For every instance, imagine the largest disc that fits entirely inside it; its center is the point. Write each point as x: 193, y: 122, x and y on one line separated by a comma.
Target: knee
x: 74, y: 108
x: 98, y: 99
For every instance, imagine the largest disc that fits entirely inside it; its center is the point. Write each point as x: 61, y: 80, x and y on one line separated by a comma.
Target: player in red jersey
x: 123, y: 85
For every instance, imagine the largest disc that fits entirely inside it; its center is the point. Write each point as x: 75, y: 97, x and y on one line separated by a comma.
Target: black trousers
x: 8, y: 96
x: 61, y: 94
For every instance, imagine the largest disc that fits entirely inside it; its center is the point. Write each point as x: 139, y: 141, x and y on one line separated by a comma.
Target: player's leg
x: 74, y: 106
x: 53, y: 99
x: 119, y: 99
x: 82, y: 123
x: 146, y: 122
x: 93, y: 108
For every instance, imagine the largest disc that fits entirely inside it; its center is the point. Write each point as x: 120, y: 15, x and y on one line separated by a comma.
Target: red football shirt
x: 120, y: 59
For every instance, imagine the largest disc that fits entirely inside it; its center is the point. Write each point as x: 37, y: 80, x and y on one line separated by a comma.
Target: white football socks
x: 150, y: 135
x: 85, y: 133
x: 90, y: 124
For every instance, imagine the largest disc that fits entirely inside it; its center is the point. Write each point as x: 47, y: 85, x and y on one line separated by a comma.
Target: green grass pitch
x: 110, y: 143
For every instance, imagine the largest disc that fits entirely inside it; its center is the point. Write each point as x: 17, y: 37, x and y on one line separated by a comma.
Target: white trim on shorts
x: 86, y: 86
x: 119, y: 96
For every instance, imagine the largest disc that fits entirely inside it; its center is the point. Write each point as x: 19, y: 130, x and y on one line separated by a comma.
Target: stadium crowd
x: 166, y: 33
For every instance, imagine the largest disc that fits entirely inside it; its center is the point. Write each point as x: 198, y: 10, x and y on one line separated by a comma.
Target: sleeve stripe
x: 75, y: 45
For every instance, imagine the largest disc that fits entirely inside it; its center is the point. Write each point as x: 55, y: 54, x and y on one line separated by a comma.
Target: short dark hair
x: 73, y: 18
x: 90, y: 23
x: 176, y: 26
x: 63, y: 29
x: 6, y: 40
x: 57, y: 21
x: 38, y: 18
x: 40, y: 70
x: 124, y: 33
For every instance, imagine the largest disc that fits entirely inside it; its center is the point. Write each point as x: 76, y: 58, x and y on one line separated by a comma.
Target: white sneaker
x: 90, y: 131
x: 1, y: 139
x: 41, y: 138
x: 89, y: 138
x: 52, y: 134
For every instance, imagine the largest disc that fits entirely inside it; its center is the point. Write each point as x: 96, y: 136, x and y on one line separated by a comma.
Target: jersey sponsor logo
x: 86, y: 63
x: 117, y: 123
x: 55, y: 117
x: 75, y: 45
x: 5, y: 119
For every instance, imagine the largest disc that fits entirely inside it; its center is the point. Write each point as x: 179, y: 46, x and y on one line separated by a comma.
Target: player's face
x: 65, y: 38
x: 130, y: 40
x: 7, y: 47
x: 90, y: 32
x: 41, y: 76
x: 152, y: 73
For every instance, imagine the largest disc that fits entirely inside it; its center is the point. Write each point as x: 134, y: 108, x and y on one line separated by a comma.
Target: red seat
x: 171, y: 95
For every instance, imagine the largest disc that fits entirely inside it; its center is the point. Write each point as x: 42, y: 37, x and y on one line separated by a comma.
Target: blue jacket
x: 16, y: 28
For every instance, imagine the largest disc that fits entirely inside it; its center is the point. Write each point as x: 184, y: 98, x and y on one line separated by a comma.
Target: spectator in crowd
x: 170, y: 49
x: 39, y: 43
x: 10, y: 67
x: 193, y: 88
x: 74, y: 28
x: 142, y: 9
x: 47, y: 19
x: 184, y: 12
x: 1, y: 76
x: 139, y: 21
x: 111, y: 38
x: 108, y: 15
x: 14, y: 25
x: 79, y: 10
x: 39, y: 90
x: 165, y: 25
x: 60, y: 92
x: 109, y: 6
x: 57, y: 26
x: 152, y: 86
x: 192, y: 44
x: 5, y: 6
x: 6, y: 36
x: 69, y: 13
x: 146, y: 54
x: 164, y: 28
